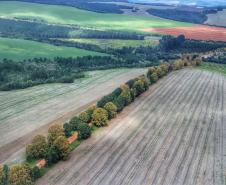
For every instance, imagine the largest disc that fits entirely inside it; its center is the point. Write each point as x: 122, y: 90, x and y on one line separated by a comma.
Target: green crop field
x: 116, y: 43
x: 73, y: 16
x: 220, y: 68
x: 18, y: 49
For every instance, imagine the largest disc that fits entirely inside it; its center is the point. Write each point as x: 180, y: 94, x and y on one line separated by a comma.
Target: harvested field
x: 28, y: 112
x: 197, y: 32
x: 217, y: 19
x: 173, y: 134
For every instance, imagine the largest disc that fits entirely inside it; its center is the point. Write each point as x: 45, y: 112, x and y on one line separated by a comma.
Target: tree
x: 84, y: 117
x: 35, y: 173
x: 90, y: 110
x: 20, y: 175
x: 4, y: 173
x: 62, y: 147
x: 104, y: 100
x: 84, y: 131
x: 112, y: 109
x: 126, y: 94
x: 100, y: 117
x: 54, y: 132
x: 151, y: 70
x: 38, y: 148
x: 159, y: 72
x: 74, y: 122
x: 153, y: 78
x: 144, y: 81
x: 139, y: 88
x: 68, y: 129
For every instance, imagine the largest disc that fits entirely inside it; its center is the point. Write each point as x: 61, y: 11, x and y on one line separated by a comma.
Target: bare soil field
x: 174, y: 134
x: 198, y: 32
x: 218, y: 19
x: 25, y: 113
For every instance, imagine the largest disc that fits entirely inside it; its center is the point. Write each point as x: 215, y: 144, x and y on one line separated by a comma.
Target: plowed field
x: 174, y: 134
x: 198, y: 32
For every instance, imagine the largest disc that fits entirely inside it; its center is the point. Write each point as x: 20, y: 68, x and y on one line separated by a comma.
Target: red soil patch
x: 198, y: 32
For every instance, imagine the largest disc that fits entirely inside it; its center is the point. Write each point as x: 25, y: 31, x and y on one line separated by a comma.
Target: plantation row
x: 62, y: 140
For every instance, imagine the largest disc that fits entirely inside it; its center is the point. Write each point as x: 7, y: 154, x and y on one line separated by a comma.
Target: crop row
x: 43, y: 152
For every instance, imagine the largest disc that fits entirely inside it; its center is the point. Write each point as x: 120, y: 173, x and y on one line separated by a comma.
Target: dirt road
x: 174, y: 134
x: 25, y: 113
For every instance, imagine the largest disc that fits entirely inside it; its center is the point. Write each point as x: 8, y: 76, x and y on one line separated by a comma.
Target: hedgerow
x: 56, y: 147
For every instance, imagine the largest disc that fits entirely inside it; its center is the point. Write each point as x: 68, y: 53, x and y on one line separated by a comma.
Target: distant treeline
x: 86, y: 5
x: 41, y: 31
x: 180, y: 15
x: 17, y: 75
x: 219, y: 59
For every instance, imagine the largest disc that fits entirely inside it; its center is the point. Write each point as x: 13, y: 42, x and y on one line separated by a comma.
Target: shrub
x: 61, y: 146
x: 100, y: 117
x: 153, y: 78
x: 84, y: 131
x: 20, y: 175
x: 112, y: 109
x: 84, y: 117
x: 38, y: 148
x: 54, y: 132
x: 35, y: 173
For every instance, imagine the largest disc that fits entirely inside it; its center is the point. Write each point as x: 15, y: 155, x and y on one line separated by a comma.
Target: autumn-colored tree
x: 151, y: 70
x: 54, y: 132
x: 84, y: 117
x: 159, y: 72
x: 20, y: 175
x: 90, y: 110
x: 165, y: 68
x: 112, y: 109
x: 138, y: 87
x: 198, y: 62
x: 38, y: 148
x: 126, y: 94
x: 145, y: 82
x: 61, y: 145
x: 100, y: 117
x: 153, y: 78
x: 3, y: 175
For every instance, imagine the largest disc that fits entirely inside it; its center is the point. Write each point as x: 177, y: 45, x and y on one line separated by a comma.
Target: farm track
x: 174, y: 134
x: 31, y: 111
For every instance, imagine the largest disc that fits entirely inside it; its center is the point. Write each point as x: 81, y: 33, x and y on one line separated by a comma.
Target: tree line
x: 55, y: 147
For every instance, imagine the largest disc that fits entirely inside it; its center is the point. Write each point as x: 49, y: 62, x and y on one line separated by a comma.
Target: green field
x: 68, y: 15
x: 18, y: 49
x: 220, y: 68
x: 115, y: 43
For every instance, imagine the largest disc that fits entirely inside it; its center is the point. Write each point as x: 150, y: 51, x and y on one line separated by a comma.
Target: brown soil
x: 173, y: 134
x: 197, y: 32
